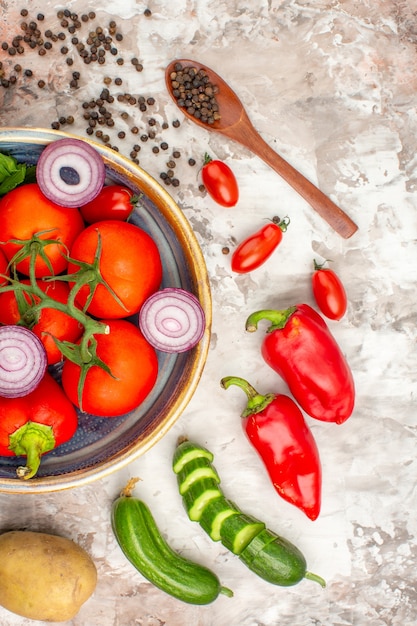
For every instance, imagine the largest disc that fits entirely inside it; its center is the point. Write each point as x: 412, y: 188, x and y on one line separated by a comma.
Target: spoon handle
x: 248, y: 136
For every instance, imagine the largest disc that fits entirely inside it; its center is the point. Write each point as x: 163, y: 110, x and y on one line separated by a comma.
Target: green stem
x: 256, y: 401
x: 226, y: 592
x: 316, y: 578
x: 278, y: 319
x: 31, y: 440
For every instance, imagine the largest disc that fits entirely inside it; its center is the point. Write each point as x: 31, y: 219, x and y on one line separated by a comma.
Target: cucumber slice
x: 195, y: 469
x: 237, y: 531
x: 198, y: 495
x: 257, y: 544
x: 214, y: 514
x: 187, y: 451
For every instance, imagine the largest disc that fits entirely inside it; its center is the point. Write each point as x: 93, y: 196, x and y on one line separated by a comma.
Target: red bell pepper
x: 301, y: 349
x: 35, y: 424
x: 276, y: 428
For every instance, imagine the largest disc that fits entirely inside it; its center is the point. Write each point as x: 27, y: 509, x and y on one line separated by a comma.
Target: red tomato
x: 329, y: 292
x: 134, y: 367
x: 114, y: 202
x: 257, y: 248
x: 50, y: 323
x: 220, y: 182
x: 129, y: 263
x: 25, y: 211
x: 3, y: 268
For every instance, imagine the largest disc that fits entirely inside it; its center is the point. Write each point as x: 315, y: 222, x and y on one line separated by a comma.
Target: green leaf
x: 30, y: 176
x: 13, y: 180
x: 13, y: 174
x: 8, y: 165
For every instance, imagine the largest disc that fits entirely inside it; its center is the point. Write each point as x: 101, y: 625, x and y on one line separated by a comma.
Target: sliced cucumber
x: 214, y: 514
x: 187, y: 451
x: 195, y: 469
x: 238, y: 531
x: 198, y: 495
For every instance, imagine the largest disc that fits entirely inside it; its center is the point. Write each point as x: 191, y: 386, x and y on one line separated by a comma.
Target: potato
x: 44, y: 577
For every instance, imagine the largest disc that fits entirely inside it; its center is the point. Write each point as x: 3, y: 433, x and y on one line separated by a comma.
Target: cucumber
x: 142, y: 543
x: 237, y: 532
x: 194, y: 470
x: 187, y: 451
x: 198, y: 495
x: 274, y: 559
x: 263, y: 551
x: 214, y: 514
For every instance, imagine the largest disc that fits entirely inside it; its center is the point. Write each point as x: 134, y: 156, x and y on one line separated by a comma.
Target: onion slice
x: 172, y: 320
x: 70, y: 172
x: 23, y: 361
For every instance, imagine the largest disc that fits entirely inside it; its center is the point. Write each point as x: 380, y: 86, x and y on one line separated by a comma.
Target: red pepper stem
x: 278, y: 319
x: 256, y: 401
x: 31, y: 440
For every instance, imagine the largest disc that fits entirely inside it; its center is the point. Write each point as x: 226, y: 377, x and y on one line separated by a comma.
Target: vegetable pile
x: 69, y: 293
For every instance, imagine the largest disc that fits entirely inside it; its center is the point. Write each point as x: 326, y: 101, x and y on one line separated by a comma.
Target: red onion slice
x: 23, y: 361
x: 70, y: 172
x: 172, y: 320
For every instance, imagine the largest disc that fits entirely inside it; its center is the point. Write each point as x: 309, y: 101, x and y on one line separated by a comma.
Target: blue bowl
x: 103, y: 445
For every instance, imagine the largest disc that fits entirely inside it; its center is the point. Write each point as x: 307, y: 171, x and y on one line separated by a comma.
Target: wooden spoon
x: 235, y: 124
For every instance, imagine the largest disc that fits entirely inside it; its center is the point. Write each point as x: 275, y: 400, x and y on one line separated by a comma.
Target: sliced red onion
x: 23, y: 361
x: 70, y: 172
x: 172, y: 320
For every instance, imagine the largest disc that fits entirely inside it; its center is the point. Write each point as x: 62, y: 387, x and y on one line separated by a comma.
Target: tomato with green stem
x: 29, y: 219
x: 114, y: 202
x: 258, y: 247
x: 20, y: 306
x: 329, y: 292
x: 118, y: 374
x: 220, y: 182
x: 127, y: 268
x: 4, y: 269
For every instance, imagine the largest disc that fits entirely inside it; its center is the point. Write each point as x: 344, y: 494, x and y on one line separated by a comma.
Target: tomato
x: 134, y: 366
x: 257, y: 248
x: 25, y: 211
x: 220, y: 182
x: 130, y: 264
x: 329, y: 292
x: 50, y: 323
x: 114, y: 202
x: 4, y: 271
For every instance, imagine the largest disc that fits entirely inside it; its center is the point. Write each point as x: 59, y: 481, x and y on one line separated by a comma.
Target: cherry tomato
x: 256, y: 249
x: 50, y: 322
x: 25, y: 211
x: 114, y: 202
x: 130, y: 264
x: 329, y: 292
x: 134, y: 367
x: 4, y: 271
x: 220, y: 182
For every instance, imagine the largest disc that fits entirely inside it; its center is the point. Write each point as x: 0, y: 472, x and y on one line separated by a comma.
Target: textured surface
x: 332, y: 87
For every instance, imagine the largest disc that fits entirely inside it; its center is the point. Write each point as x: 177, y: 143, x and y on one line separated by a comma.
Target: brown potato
x: 44, y: 577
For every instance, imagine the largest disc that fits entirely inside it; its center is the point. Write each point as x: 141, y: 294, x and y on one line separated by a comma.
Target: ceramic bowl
x: 103, y: 445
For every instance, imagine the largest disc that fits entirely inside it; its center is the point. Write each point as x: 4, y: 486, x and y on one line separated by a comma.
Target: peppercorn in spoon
x: 232, y: 121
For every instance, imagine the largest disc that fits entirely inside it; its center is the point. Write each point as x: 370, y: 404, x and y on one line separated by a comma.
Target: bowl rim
x: 197, y: 266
